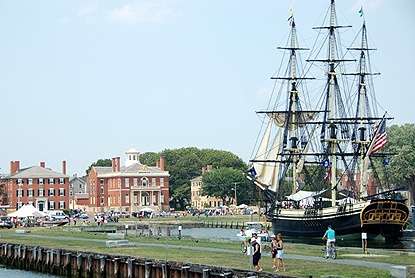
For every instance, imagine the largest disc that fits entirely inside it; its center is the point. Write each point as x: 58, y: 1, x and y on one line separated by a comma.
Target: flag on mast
x: 380, y: 137
x: 361, y: 11
x: 291, y: 18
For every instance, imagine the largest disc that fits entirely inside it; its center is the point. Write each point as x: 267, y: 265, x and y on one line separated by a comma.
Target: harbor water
x: 17, y: 273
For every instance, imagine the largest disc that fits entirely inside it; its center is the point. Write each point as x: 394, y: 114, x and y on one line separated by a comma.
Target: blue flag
x: 252, y: 172
x: 387, y: 161
x: 326, y: 163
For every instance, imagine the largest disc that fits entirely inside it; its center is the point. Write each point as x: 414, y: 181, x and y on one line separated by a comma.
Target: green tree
x: 221, y: 183
x: 185, y: 164
x: 100, y: 162
x: 401, y: 171
x: 149, y: 158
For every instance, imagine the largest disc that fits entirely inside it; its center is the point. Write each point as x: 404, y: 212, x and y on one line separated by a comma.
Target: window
x: 135, y: 182
x: 101, y: 181
x: 61, y: 205
x: 127, y: 198
x: 161, y: 181
x: 127, y: 182
x: 20, y: 181
x: 30, y: 193
x: 144, y: 182
x: 61, y: 180
x: 41, y: 182
x: 102, y: 200
x: 29, y: 181
x: 51, y: 192
x: 61, y: 192
x: 154, y: 198
x: 41, y: 192
x: 153, y: 181
x: 51, y: 205
x: 80, y: 185
x: 19, y: 205
x: 30, y: 203
x: 70, y: 193
x: 51, y: 181
x: 102, y: 190
x: 19, y: 192
x: 161, y: 198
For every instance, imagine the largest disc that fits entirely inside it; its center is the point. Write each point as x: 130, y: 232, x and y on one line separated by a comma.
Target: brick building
x: 37, y: 185
x: 134, y: 184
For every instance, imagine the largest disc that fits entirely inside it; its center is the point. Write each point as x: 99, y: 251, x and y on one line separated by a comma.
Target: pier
x: 70, y: 263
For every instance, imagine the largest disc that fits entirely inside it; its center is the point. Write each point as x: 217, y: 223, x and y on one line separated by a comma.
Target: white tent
x: 27, y: 211
x: 302, y: 194
x: 242, y: 206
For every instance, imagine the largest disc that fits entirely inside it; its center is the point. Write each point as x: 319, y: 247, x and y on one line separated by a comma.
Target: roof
x: 79, y: 179
x: 82, y: 195
x: 135, y: 168
x: 199, y: 178
x: 37, y: 172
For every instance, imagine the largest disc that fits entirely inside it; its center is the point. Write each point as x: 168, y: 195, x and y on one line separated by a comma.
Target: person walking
x: 274, y: 251
x: 257, y: 254
x: 331, y: 239
x: 280, y: 253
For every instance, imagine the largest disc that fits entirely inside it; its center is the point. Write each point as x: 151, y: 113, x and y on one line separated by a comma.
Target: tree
x: 149, y: 158
x: 401, y: 171
x: 100, y: 162
x: 221, y: 183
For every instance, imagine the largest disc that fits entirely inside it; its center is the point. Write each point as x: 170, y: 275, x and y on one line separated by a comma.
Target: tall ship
x: 318, y: 155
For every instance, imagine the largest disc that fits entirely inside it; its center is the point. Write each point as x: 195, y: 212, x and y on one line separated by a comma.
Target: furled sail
x: 271, y: 169
x: 301, y: 118
x: 262, y: 151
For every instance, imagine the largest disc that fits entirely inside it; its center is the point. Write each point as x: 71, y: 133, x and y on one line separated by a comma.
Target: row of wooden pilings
x: 230, y: 225
x: 70, y: 263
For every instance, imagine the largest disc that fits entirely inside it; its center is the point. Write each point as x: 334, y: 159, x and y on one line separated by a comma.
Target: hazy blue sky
x: 82, y: 80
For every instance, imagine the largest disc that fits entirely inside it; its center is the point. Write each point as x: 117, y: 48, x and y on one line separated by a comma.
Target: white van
x: 57, y: 214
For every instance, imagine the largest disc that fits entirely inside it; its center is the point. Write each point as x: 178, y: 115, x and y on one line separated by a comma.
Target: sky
x: 83, y: 80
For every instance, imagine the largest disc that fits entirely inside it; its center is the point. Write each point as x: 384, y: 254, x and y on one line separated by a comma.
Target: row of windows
x: 51, y: 205
x: 41, y: 181
x: 143, y: 182
x: 40, y: 192
x: 144, y: 198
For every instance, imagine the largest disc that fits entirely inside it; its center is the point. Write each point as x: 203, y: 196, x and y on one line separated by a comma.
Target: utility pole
x: 236, y: 203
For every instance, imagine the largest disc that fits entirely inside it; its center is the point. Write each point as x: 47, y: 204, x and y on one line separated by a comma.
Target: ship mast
x: 333, y: 105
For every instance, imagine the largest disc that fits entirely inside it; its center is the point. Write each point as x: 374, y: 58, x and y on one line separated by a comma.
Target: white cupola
x: 132, y: 156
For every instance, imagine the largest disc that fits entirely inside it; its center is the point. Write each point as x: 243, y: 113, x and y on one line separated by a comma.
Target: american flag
x: 380, y: 140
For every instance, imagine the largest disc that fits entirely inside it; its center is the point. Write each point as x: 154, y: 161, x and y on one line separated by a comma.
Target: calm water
x: 16, y: 273
x: 230, y: 234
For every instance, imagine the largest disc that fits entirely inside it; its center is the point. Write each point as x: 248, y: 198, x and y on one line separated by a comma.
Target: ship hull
x: 369, y: 217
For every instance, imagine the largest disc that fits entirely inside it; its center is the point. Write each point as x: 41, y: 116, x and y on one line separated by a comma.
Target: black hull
x: 382, y: 217
x: 343, y: 225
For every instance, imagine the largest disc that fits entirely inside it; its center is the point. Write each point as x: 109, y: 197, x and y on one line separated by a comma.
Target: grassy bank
x: 294, y: 267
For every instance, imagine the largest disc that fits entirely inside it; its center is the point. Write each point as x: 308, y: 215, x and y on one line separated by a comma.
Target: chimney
x: 158, y: 163
x: 12, y: 168
x: 162, y: 163
x: 16, y: 166
x: 113, y: 164
x: 42, y: 164
x: 118, y: 163
x: 209, y: 167
x: 203, y: 170
x: 64, y: 167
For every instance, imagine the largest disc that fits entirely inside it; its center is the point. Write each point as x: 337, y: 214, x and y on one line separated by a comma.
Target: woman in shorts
x: 280, y: 252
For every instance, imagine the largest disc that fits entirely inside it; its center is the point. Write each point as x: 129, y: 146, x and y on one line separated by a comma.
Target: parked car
x: 5, y: 222
x: 57, y: 214
x: 82, y: 216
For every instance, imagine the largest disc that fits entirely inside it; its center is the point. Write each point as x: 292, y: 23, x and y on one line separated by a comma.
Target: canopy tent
x: 242, y: 206
x: 146, y: 210
x: 223, y: 207
x: 302, y: 194
x: 27, y: 211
